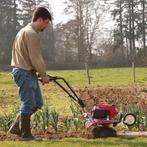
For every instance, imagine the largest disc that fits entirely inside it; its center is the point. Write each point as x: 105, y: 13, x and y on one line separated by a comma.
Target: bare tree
x: 87, y: 14
x: 117, y: 13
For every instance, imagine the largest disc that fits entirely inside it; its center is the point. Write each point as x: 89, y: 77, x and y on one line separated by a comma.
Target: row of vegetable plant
x: 50, y: 120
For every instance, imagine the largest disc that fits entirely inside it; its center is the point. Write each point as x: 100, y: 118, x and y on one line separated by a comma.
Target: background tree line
x: 81, y: 39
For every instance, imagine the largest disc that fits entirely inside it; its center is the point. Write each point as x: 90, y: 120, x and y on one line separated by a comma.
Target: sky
x: 57, y: 7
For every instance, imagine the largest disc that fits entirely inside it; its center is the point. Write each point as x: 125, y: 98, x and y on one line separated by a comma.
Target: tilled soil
x: 48, y: 136
x: 62, y: 135
x: 128, y: 96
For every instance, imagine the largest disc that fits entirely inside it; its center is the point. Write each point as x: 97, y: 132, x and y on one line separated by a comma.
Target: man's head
x: 41, y: 18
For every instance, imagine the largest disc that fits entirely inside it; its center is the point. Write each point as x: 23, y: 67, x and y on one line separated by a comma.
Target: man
x: 26, y: 61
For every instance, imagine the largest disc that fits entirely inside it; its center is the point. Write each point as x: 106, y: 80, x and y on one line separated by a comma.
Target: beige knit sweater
x: 26, y: 51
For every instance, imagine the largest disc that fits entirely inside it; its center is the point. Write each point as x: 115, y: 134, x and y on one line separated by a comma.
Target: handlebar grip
x: 51, y: 78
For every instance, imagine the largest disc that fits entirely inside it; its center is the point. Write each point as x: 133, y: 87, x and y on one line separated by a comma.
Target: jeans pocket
x: 18, y: 78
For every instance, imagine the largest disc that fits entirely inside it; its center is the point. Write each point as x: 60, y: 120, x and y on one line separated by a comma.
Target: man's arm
x: 36, y: 58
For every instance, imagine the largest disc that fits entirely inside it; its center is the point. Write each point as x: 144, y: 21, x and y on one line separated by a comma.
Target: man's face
x: 43, y: 24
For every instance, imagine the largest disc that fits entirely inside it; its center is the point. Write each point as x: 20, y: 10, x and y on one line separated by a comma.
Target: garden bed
x: 133, y: 98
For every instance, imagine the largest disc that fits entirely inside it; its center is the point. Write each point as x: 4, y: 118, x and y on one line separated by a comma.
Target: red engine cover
x: 112, y: 109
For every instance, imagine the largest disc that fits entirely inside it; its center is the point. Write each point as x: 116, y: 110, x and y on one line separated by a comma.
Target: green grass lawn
x: 104, y: 77
x: 111, y: 142
x: 99, y: 77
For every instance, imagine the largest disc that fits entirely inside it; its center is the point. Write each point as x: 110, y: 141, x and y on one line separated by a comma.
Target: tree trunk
x: 81, y: 51
x: 133, y: 40
x: 130, y: 32
x: 143, y: 27
x: 121, y: 29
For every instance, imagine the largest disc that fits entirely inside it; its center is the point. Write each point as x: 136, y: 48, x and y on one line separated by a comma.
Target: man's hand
x: 45, y: 79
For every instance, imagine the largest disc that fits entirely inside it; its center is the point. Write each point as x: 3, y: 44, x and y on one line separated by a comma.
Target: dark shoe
x: 14, y: 129
x: 30, y: 137
x: 25, y: 128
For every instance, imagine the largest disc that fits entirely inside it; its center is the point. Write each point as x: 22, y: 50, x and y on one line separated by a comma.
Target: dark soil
x: 128, y: 96
x: 62, y: 135
x: 48, y: 136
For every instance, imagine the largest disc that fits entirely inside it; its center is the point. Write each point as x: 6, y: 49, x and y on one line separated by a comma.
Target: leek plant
x: 41, y: 119
x: 141, y: 117
x: 67, y: 123
x: 78, y: 124
x: 6, y: 121
x: 54, y: 120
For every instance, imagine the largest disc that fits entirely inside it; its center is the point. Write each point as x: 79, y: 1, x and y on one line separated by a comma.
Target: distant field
x: 99, y: 77
x: 104, y: 77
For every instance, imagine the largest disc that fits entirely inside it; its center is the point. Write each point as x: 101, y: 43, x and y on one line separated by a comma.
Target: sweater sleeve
x: 35, y: 54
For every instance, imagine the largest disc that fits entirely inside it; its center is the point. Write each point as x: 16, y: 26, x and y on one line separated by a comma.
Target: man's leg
x: 27, y: 95
x: 25, y: 127
x: 38, y: 97
x: 27, y: 84
x: 16, y: 75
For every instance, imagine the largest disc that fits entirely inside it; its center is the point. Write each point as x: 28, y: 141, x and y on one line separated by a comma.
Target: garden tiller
x: 101, y: 116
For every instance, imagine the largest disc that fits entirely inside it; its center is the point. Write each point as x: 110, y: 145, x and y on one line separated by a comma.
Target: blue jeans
x: 29, y: 90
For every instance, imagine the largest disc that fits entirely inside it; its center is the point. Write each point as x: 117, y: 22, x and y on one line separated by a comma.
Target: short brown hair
x: 41, y: 12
